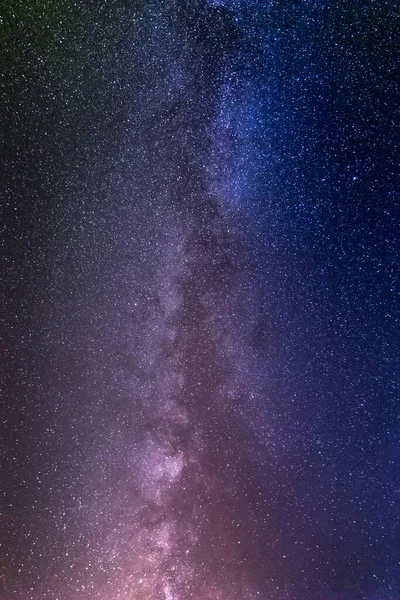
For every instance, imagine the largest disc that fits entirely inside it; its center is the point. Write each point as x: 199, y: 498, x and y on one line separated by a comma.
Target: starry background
x: 199, y: 275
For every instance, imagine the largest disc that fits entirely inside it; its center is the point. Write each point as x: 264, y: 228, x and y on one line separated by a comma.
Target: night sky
x: 199, y: 331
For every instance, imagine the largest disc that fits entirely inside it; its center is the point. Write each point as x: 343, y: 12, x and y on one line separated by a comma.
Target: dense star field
x: 199, y: 267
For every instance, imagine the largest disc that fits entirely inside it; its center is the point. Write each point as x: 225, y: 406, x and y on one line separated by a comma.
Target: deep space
x: 199, y: 332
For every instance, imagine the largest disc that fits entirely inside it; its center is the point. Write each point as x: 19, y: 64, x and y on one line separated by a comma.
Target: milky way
x: 199, y: 282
